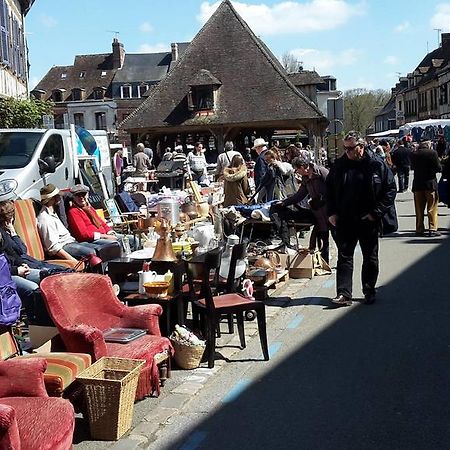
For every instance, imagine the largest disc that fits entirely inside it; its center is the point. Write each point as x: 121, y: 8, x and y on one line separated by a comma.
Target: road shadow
x: 377, y: 378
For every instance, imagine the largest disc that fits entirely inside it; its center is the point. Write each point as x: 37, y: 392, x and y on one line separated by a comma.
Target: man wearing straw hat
x: 55, y: 237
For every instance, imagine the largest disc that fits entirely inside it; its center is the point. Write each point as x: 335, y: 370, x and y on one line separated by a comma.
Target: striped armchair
x: 62, y: 368
x: 25, y: 225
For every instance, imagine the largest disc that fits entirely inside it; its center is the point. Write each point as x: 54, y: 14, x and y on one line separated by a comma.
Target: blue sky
x: 364, y: 44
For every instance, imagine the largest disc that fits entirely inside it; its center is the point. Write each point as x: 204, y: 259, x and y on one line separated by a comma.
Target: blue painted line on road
x: 329, y: 283
x: 295, y: 322
x: 194, y: 440
x: 236, y: 390
x: 273, y: 348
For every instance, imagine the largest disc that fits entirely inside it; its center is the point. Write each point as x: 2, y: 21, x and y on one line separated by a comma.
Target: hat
x: 79, y: 189
x: 48, y: 191
x: 259, y: 142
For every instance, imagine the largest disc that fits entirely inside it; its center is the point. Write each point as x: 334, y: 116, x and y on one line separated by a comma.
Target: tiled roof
x: 97, y: 70
x: 305, y: 77
x: 255, y: 88
x: 150, y: 67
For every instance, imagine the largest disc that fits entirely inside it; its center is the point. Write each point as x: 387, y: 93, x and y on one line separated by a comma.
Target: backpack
x: 10, y: 303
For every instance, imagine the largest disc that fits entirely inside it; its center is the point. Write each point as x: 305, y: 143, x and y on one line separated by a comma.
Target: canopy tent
x: 384, y: 134
x: 424, y: 124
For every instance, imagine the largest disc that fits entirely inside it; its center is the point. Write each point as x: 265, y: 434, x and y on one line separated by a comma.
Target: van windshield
x: 17, y: 149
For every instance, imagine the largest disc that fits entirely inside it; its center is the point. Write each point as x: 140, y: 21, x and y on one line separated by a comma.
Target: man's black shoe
x: 342, y: 300
x: 369, y: 299
x: 434, y: 233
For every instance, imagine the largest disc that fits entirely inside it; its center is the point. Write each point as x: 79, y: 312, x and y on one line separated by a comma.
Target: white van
x: 31, y: 158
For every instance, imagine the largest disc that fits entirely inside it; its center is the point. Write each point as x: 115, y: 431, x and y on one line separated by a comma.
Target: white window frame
x: 145, y: 86
x: 122, y: 90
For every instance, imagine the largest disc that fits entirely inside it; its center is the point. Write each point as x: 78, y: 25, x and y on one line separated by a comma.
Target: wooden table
x: 120, y: 269
x: 165, y: 302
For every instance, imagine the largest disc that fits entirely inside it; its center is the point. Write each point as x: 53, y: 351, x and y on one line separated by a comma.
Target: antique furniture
x: 29, y: 419
x: 83, y: 306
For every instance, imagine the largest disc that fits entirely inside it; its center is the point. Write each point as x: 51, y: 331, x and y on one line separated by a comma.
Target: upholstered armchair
x: 29, y: 419
x: 83, y: 306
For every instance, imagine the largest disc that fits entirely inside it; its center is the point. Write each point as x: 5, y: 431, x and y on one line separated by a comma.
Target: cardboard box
x: 302, y: 265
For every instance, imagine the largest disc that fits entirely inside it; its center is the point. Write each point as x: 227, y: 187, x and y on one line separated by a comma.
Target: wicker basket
x: 157, y: 288
x: 110, y: 387
x: 187, y: 356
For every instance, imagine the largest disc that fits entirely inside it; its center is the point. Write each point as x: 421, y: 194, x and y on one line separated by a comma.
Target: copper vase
x: 164, y: 250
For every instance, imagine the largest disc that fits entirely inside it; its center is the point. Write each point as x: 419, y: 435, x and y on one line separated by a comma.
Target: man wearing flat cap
x: 55, y: 237
x: 84, y: 222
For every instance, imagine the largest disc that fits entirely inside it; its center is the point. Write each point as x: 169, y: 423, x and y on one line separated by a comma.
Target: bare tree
x: 361, y: 106
x: 290, y: 62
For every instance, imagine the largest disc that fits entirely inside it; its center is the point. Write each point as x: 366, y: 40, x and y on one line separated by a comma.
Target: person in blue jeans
x: 25, y: 270
x: 55, y: 237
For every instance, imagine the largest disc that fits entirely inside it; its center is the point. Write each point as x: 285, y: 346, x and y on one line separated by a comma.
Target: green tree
x: 361, y: 106
x: 16, y: 113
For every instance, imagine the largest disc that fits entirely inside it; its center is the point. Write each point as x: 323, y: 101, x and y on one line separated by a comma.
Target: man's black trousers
x: 348, y: 235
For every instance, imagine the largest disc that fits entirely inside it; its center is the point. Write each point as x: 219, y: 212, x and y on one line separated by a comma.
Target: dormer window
x: 82, y: 74
x: 201, y: 98
x: 125, y: 91
x: 103, y: 73
x: 57, y: 95
x: 142, y: 89
x: 202, y: 95
x: 38, y: 94
x: 63, y: 76
x: 99, y: 93
x: 77, y: 94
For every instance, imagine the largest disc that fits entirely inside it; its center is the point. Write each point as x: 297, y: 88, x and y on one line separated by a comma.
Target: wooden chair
x: 212, y: 307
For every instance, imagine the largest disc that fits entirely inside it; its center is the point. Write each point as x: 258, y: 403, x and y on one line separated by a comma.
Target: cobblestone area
x: 153, y: 414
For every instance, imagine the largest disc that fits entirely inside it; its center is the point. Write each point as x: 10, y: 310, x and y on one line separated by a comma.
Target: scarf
x: 93, y: 217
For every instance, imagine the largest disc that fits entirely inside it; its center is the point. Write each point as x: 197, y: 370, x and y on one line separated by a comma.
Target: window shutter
x: 4, y: 31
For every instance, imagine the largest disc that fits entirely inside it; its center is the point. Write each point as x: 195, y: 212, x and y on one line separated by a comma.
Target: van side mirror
x: 47, y: 165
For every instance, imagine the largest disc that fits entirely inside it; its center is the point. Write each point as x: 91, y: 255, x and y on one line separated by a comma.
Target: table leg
x: 180, y: 309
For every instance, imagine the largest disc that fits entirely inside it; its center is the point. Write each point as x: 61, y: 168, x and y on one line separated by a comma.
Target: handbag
x: 389, y: 221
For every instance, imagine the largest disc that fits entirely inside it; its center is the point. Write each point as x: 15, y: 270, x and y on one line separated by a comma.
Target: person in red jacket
x: 86, y: 225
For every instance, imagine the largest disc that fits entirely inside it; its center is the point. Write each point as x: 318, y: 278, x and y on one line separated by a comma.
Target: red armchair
x: 29, y: 419
x: 84, y: 305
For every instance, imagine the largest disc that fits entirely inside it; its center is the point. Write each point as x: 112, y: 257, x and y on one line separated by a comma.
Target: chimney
x: 174, y: 52
x: 445, y: 40
x: 118, y: 54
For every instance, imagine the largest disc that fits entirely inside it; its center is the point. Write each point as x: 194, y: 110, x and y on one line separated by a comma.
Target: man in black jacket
x: 425, y: 163
x: 401, y: 158
x: 360, y: 189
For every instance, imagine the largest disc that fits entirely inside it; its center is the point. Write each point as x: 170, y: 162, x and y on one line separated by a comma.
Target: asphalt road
x: 359, y: 377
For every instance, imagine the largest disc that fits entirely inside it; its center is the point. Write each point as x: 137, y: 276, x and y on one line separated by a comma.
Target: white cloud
x: 324, y: 60
x: 288, y: 17
x: 154, y: 48
x: 441, y: 17
x: 48, y: 21
x: 146, y: 28
x: 402, y: 27
x: 391, y: 60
